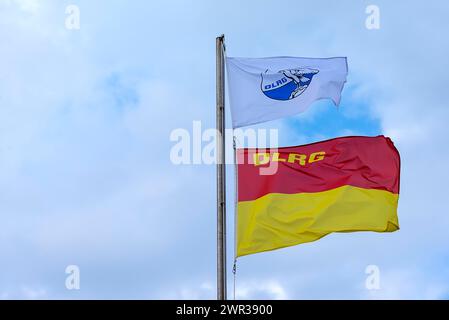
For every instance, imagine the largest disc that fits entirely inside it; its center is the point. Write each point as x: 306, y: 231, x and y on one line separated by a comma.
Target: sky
x: 85, y: 122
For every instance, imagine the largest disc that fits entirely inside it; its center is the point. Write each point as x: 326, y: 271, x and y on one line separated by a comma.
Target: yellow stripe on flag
x: 281, y: 220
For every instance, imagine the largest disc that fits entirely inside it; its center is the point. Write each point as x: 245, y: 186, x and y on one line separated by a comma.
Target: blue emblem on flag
x: 287, y: 84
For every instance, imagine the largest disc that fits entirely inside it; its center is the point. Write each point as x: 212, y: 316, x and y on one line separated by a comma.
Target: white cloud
x: 33, y: 294
x: 408, y: 284
x: 260, y: 289
x: 85, y: 175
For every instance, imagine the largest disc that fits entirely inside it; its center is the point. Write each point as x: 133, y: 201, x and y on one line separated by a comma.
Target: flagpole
x: 221, y: 171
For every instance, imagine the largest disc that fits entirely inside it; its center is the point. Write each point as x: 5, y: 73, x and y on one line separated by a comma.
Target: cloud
x: 408, y: 284
x: 265, y: 289
x: 85, y: 176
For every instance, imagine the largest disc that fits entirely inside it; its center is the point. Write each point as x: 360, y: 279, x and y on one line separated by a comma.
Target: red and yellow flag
x: 293, y: 195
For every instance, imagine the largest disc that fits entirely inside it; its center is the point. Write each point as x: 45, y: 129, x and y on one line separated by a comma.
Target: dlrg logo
x: 287, y: 84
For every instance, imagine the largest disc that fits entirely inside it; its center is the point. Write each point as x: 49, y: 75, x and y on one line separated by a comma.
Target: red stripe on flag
x: 365, y: 162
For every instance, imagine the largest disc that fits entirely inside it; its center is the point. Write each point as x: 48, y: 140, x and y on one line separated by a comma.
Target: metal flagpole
x: 221, y: 172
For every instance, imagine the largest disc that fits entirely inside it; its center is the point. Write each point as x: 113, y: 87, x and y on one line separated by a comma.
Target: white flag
x: 264, y: 89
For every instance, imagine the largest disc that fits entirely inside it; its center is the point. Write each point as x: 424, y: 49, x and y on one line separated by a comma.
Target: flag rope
x: 234, y: 268
x: 234, y: 271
